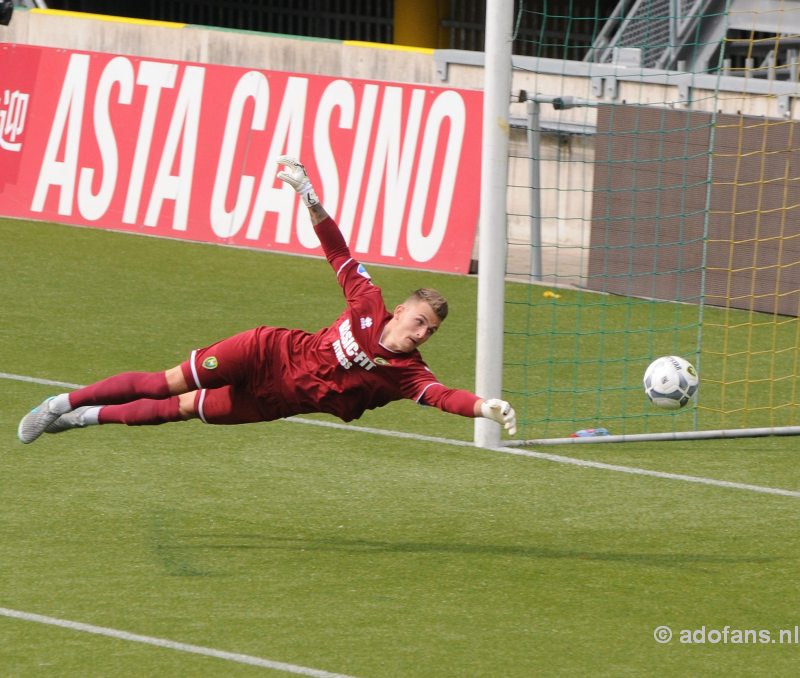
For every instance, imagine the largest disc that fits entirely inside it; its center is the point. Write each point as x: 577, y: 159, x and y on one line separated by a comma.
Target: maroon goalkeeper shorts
x: 226, y: 375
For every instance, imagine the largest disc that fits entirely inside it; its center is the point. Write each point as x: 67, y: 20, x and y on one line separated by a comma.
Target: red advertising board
x: 188, y: 151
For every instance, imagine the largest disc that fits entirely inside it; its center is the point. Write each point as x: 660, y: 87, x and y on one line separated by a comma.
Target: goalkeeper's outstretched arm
x: 467, y: 404
x: 333, y: 243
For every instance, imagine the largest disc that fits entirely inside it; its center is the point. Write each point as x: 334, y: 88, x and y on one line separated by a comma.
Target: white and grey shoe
x: 33, y: 424
x: 69, y: 420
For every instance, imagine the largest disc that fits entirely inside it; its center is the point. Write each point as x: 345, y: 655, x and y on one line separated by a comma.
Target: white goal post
x: 493, y: 218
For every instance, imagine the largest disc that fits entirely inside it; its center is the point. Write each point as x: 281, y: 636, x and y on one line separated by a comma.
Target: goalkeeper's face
x: 411, y: 325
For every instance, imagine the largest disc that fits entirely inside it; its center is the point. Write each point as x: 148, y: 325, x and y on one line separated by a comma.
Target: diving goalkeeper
x: 367, y: 358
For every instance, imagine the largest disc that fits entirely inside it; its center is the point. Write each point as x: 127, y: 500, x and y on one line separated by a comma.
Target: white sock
x: 91, y: 416
x: 59, y: 404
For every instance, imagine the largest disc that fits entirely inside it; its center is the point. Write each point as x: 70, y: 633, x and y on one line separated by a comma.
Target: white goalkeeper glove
x: 501, y: 412
x: 295, y: 175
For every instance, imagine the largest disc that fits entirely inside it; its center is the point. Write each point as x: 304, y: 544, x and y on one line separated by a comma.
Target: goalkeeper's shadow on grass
x: 355, y: 546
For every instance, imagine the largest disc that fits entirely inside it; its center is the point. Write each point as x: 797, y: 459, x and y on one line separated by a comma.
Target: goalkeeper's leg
x: 226, y: 405
x: 226, y: 362
x: 122, y: 388
x: 229, y: 361
x: 50, y: 416
x: 142, y: 412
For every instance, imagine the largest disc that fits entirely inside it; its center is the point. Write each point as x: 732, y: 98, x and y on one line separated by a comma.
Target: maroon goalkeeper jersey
x: 343, y: 369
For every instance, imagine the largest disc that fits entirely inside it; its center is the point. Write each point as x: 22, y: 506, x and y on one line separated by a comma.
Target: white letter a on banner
x: 68, y: 117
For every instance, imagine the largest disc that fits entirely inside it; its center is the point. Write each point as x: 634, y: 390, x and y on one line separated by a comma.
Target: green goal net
x: 653, y: 210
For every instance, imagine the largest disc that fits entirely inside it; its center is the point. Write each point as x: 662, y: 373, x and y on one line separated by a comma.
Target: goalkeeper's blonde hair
x: 435, y: 300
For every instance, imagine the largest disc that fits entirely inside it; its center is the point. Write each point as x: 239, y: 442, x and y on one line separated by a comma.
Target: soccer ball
x: 670, y: 382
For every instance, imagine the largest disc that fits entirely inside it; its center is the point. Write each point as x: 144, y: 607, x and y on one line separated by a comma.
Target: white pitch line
x: 648, y: 472
x: 559, y: 459
x: 169, y: 644
x: 37, y: 380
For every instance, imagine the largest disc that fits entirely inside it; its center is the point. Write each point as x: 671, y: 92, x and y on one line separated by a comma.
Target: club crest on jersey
x: 210, y: 363
x: 366, y: 322
x: 363, y: 272
x: 347, y: 351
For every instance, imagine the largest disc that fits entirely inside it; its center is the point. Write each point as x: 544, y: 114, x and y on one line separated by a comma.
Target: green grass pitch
x: 340, y: 550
